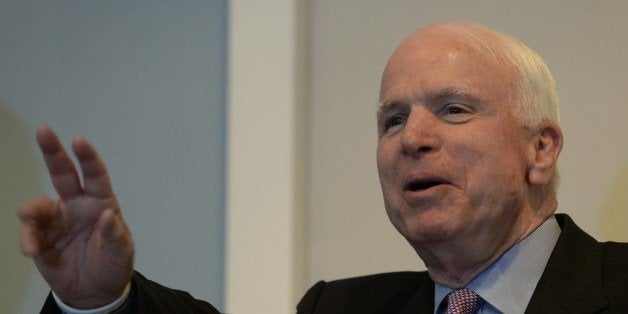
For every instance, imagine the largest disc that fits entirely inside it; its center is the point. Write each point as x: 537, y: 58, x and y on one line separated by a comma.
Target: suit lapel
x: 572, y: 280
x: 422, y: 302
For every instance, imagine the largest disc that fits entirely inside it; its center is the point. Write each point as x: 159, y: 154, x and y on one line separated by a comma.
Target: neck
x: 457, y: 262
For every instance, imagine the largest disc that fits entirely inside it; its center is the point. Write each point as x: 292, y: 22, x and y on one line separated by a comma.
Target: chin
x: 430, y: 235
x: 430, y: 229
x: 431, y: 223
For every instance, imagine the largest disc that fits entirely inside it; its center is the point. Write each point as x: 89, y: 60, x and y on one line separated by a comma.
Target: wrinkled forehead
x: 433, y: 47
x: 434, y: 42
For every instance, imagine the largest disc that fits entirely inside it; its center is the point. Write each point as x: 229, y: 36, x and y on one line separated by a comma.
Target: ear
x: 546, y: 144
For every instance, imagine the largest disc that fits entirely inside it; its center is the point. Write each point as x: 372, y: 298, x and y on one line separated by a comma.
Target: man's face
x: 451, y: 157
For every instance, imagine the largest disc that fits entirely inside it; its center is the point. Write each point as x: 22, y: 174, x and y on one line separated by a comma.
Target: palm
x: 80, y: 243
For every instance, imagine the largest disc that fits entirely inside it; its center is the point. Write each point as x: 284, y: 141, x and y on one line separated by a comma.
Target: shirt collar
x: 507, y: 285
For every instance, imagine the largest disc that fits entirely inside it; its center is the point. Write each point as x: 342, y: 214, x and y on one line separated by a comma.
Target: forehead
x: 429, y: 61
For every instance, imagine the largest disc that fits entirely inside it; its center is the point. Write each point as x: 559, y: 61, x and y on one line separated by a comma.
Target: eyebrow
x: 386, y: 106
x: 454, y: 92
x: 435, y: 97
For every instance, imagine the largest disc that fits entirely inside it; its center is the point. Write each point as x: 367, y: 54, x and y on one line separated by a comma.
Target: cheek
x: 385, y: 162
x: 388, y: 168
x: 495, y: 176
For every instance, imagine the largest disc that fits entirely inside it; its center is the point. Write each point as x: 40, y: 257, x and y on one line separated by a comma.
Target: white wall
x: 145, y: 81
x: 584, y: 43
x: 265, y: 202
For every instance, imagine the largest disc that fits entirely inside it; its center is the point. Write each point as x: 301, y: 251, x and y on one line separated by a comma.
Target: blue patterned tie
x: 463, y: 301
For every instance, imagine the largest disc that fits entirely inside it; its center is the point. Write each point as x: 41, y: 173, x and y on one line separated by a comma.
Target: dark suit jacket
x: 582, y: 276
x: 150, y: 297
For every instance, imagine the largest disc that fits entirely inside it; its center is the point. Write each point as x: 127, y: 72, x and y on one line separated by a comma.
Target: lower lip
x: 420, y: 195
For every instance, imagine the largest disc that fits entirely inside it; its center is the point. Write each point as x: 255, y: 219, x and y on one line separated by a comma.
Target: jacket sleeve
x: 307, y: 305
x: 150, y: 297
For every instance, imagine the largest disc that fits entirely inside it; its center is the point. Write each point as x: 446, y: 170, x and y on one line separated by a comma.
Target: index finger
x: 62, y: 171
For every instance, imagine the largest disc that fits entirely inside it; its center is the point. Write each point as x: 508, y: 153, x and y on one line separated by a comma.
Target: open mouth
x: 417, y: 186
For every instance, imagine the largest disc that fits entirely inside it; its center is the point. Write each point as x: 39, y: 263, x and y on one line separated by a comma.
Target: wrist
x: 107, y: 308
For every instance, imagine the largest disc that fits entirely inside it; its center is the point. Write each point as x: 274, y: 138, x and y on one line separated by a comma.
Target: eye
x: 392, y: 122
x: 457, y: 113
x: 395, y: 120
x: 455, y: 109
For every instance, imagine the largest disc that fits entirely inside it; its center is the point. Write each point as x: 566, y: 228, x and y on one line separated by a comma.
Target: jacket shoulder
x: 380, y: 293
x: 582, y: 274
x: 615, y: 272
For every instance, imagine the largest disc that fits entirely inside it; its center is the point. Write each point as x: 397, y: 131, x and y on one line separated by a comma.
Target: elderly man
x: 467, y: 151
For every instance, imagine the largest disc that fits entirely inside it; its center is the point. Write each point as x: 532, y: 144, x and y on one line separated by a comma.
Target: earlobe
x: 547, y: 143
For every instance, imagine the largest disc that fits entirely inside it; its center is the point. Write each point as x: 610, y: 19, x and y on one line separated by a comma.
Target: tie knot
x: 463, y: 301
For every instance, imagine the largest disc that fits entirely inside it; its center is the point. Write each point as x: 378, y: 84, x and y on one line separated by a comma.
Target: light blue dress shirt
x: 507, y: 285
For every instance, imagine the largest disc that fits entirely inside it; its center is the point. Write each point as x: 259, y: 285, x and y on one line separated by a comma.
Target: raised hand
x: 79, y: 242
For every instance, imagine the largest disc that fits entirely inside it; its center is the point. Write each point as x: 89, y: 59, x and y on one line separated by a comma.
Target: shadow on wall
x: 19, y: 180
x: 614, y: 220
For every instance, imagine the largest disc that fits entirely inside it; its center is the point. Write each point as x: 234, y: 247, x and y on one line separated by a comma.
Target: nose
x: 420, y: 133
